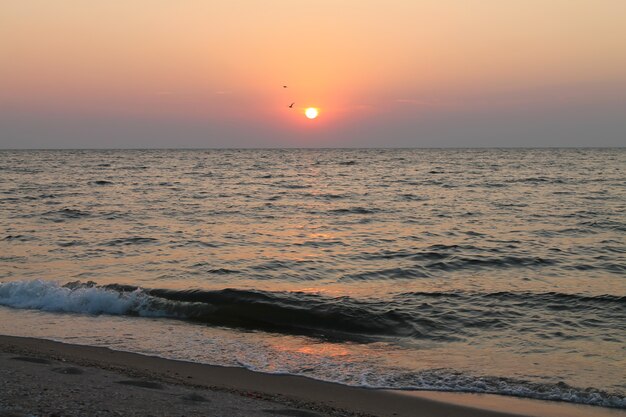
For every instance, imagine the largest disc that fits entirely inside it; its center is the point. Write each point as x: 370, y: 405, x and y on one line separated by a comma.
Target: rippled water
x: 481, y: 270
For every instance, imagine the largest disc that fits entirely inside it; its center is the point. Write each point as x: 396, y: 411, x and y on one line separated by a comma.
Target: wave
x: 354, y: 210
x: 455, y: 381
x: 137, y: 240
x: 479, y: 262
x: 570, y: 300
x: 389, y: 273
x: 437, y: 316
x: 449, y: 259
x: 413, y: 197
x: 65, y: 213
x: 18, y: 238
x: 297, y: 313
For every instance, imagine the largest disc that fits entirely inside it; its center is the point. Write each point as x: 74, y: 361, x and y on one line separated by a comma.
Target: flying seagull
x: 291, y: 105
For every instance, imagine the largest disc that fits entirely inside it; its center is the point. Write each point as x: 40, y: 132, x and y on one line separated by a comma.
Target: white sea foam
x: 52, y: 296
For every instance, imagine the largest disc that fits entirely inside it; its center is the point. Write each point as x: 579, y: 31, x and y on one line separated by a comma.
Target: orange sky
x: 219, y: 65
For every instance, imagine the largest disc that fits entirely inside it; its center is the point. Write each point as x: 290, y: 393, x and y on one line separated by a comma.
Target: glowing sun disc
x: 311, y: 112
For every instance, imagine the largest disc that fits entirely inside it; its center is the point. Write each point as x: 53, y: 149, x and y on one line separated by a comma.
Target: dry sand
x: 52, y: 379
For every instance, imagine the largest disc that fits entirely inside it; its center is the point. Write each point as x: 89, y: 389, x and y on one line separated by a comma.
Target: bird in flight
x: 291, y: 105
x: 284, y: 86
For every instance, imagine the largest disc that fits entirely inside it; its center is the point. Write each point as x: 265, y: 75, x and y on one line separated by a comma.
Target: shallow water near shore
x: 495, y: 271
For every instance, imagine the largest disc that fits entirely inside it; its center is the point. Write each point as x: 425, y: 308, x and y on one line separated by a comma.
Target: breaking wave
x: 438, y: 316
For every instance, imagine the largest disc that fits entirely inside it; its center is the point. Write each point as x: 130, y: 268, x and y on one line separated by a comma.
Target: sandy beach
x: 45, y: 378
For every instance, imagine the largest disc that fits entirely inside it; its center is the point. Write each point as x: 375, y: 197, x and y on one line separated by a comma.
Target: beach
x: 46, y: 378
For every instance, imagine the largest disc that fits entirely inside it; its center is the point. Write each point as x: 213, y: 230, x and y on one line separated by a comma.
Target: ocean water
x: 488, y: 270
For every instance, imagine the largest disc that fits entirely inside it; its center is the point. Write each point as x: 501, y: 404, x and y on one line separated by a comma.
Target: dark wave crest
x: 436, y: 316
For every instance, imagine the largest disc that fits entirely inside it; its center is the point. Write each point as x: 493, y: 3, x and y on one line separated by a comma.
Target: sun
x: 311, y: 112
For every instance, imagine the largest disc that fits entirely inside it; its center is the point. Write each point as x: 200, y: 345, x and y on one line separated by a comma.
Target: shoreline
x: 304, y: 396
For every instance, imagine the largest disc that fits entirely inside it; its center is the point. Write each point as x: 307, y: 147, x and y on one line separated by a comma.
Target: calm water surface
x: 470, y: 270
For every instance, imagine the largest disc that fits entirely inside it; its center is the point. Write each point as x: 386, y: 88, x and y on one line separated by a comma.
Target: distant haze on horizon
x: 396, y: 73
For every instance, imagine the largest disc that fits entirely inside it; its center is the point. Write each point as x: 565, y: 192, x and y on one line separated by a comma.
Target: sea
x: 473, y: 270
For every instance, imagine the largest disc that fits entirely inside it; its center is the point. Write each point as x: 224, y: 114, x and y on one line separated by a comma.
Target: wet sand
x: 45, y: 378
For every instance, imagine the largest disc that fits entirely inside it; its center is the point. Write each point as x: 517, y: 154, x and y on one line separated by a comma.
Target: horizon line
x: 308, y: 148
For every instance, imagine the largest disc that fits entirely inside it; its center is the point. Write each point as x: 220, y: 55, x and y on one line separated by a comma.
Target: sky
x: 382, y: 73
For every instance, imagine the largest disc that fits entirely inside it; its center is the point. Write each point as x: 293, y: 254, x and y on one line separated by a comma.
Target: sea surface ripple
x: 484, y: 270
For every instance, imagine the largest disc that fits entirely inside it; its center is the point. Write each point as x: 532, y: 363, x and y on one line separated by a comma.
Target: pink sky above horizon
x: 74, y: 72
